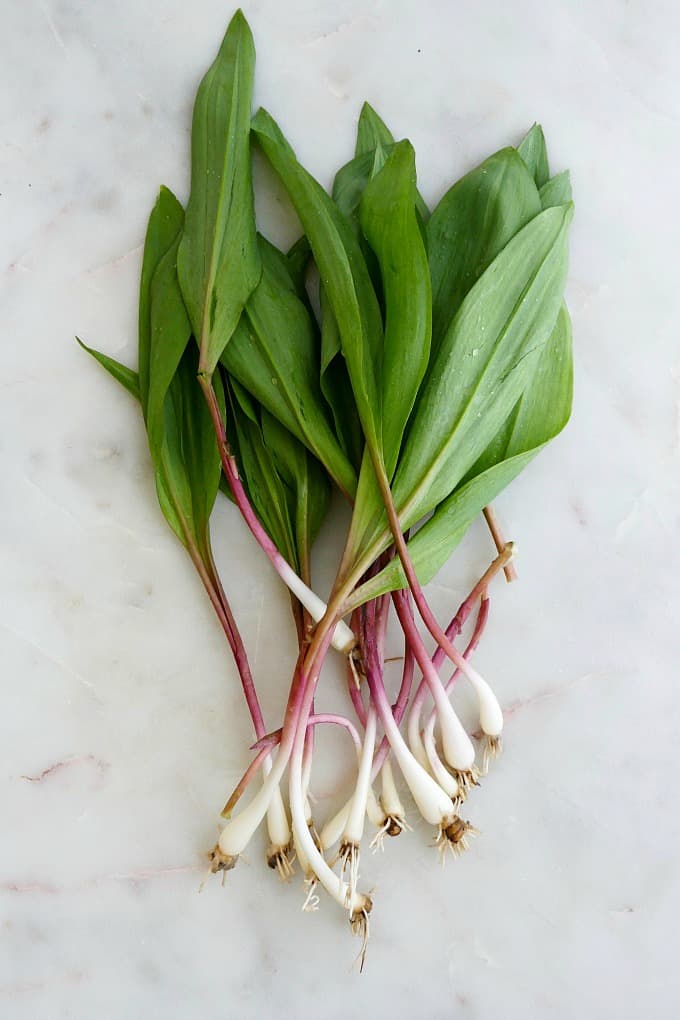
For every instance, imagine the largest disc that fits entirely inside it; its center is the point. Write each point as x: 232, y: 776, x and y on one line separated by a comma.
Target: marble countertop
x: 122, y: 725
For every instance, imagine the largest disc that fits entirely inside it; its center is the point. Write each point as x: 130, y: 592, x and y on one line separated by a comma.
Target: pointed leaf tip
x: 127, y: 377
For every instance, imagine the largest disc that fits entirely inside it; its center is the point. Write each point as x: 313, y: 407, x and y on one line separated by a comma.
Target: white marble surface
x: 121, y: 723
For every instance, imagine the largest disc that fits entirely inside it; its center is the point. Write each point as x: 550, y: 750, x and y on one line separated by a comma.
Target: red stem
x: 473, y: 644
x: 213, y: 586
x: 245, y: 779
x: 401, y: 704
x: 466, y: 607
x: 480, y: 625
x: 231, y: 472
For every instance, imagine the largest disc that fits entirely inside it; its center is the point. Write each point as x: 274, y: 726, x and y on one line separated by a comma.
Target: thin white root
x: 393, y: 825
x: 280, y: 859
x: 314, y: 834
x: 359, y: 923
x: 466, y: 779
x: 205, y: 878
x: 492, y: 748
x: 349, y: 856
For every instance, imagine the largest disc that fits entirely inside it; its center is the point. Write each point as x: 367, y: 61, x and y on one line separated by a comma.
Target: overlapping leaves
x: 443, y: 348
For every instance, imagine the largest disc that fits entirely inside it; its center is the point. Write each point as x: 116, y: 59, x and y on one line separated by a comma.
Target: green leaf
x: 484, y: 363
x: 127, y: 377
x: 533, y: 151
x: 541, y: 414
x: 352, y: 178
x: 188, y: 468
x: 305, y: 479
x: 350, y: 183
x: 165, y: 223
x: 472, y: 223
x: 388, y: 220
x: 556, y: 191
x: 172, y: 498
x: 170, y: 334
x: 199, y: 446
x: 274, y: 355
x: 371, y: 132
x: 245, y: 400
x: 261, y: 480
x: 337, y: 388
x: 298, y: 258
x: 218, y: 260
x: 343, y: 273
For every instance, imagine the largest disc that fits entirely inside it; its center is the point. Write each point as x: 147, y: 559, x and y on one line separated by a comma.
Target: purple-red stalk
x: 466, y: 607
x: 480, y: 624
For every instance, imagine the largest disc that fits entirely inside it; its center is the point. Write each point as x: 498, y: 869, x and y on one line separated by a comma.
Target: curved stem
x: 245, y: 779
x: 480, y: 624
x: 458, y: 748
x: 343, y: 638
x: 421, y: 692
x: 478, y: 592
x: 333, y: 884
x: 315, y: 719
x: 432, y: 801
x: 336, y: 720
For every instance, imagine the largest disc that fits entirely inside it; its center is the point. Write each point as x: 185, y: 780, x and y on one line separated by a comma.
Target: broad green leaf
x: 218, y: 261
x: 165, y: 223
x: 188, y: 468
x: 371, y: 132
x: 556, y: 191
x: 343, y: 273
x: 274, y: 355
x: 388, y: 220
x: 541, y: 414
x: 483, y: 364
x: 127, y: 377
x: 545, y: 408
x: 170, y: 334
x: 533, y: 151
x: 471, y: 224
x: 374, y: 143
